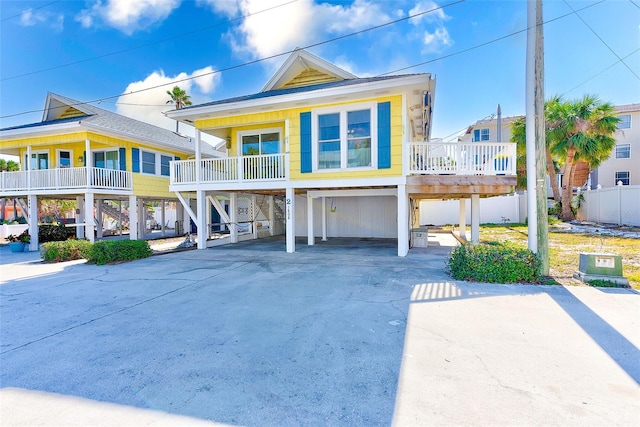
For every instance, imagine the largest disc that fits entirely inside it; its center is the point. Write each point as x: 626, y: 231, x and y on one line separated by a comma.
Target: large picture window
x: 343, y: 138
x: 261, y: 142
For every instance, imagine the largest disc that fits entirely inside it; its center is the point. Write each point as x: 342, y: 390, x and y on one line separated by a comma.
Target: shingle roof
x: 301, y: 89
x: 102, y: 119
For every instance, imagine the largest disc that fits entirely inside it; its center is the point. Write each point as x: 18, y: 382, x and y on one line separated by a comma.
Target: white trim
x: 343, y: 110
x: 369, y: 192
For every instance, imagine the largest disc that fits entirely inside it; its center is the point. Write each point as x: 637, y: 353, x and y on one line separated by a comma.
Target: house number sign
x: 605, y: 262
x: 288, y: 209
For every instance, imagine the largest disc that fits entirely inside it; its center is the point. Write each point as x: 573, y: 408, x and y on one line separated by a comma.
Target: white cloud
x: 128, y: 16
x: 30, y: 18
x: 265, y: 33
x: 436, y: 16
x: 148, y: 105
x: 435, y: 41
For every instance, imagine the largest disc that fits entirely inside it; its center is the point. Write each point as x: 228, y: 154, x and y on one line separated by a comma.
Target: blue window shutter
x: 176, y: 158
x: 135, y: 159
x: 84, y: 158
x: 123, y: 159
x: 305, y: 142
x: 384, y: 135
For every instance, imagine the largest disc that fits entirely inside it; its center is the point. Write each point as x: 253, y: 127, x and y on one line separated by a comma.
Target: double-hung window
x: 164, y: 165
x: 480, y: 135
x: 344, y: 138
x: 148, y: 162
x: 622, y: 177
x: 623, y: 151
x: 625, y: 121
x: 39, y: 160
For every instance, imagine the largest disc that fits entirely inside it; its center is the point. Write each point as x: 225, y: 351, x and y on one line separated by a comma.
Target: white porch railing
x: 266, y: 167
x: 65, y: 178
x: 457, y: 158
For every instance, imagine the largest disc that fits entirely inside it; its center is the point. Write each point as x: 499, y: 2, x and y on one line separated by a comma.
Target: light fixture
x: 229, y: 141
x: 80, y: 159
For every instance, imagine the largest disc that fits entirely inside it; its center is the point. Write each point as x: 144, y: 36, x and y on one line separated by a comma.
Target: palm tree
x: 178, y: 97
x: 580, y: 130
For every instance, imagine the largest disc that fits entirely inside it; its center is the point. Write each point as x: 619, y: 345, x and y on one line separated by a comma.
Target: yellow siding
x: 309, y: 77
x: 152, y: 186
x: 277, y: 118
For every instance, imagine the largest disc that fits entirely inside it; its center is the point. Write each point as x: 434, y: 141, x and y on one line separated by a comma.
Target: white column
x: 201, y: 213
x: 254, y: 216
x: 198, y: 157
x: 142, y: 219
x: 88, y: 217
x: 475, y: 218
x: 233, y: 216
x: 462, y: 217
x: 403, y: 221
x: 162, y: 217
x: 32, y: 203
x: 133, y: 217
x: 310, y: 237
x: 87, y: 158
x: 324, y: 219
x: 272, y: 215
x: 80, y: 217
x: 290, y: 215
x: 99, y: 218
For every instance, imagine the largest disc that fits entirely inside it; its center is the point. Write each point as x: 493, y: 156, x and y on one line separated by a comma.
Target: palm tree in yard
x: 179, y: 98
x: 582, y: 129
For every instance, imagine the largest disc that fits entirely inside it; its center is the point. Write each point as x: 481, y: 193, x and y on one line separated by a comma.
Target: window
x: 623, y: 151
x: 622, y: 177
x: 65, y: 159
x: 164, y: 165
x: 625, y: 121
x: 344, y: 138
x: 480, y: 135
x: 106, y: 159
x: 39, y: 160
x: 265, y: 142
x: 148, y: 162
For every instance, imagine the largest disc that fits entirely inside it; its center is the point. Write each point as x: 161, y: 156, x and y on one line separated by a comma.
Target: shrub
x: 104, y: 252
x: 54, y: 233
x: 494, y: 263
x: 67, y: 250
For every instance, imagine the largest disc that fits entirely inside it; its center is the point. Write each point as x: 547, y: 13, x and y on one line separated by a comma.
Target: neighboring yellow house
x: 110, y: 164
x: 322, y: 153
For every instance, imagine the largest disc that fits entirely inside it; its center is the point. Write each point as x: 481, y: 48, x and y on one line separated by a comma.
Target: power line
x: 596, y: 75
x: 255, y: 61
x: 31, y: 9
x: 56, y: 67
x: 603, y: 42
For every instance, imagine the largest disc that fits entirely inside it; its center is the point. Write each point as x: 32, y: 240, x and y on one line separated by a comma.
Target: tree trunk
x: 551, y: 170
x: 567, y: 185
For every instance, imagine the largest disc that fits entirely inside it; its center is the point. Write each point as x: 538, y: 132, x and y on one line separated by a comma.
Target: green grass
x: 565, y: 249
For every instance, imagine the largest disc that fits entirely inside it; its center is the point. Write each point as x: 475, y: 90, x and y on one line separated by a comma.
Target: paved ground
x: 330, y: 335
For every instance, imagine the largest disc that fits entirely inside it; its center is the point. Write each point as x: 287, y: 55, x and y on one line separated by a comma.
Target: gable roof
x: 308, y: 66
x: 63, y: 110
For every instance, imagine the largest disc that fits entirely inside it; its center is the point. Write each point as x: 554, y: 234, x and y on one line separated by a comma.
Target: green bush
x: 494, y: 263
x: 104, y: 252
x: 55, y: 233
x: 65, y: 250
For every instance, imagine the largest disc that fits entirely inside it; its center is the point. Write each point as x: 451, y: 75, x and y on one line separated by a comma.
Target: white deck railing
x: 266, y: 167
x: 66, y: 178
x: 457, y: 158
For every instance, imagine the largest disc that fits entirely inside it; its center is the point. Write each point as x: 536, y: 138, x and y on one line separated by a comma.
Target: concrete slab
x: 330, y: 335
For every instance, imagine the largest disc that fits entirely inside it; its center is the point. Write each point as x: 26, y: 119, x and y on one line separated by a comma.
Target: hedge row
x: 100, y: 253
x: 494, y: 263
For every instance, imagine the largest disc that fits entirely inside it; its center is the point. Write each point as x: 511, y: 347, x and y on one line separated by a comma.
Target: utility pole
x: 538, y: 226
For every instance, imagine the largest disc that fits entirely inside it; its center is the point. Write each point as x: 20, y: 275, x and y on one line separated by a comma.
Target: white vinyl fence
x: 614, y: 205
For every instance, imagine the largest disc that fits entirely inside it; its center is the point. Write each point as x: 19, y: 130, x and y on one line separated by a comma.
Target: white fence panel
x: 612, y: 205
x: 492, y: 209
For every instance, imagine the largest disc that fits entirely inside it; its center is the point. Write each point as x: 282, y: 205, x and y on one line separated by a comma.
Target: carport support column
x: 133, y: 218
x: 475, y: 218
x: 80, y: 217
x: 32, y: 203
x: 88, y: 217
x: 99, y: 218
x: 201, y: 213
x: 290, y: 214
x: 324, y: 219
x: 403, y: 221
x: 233, y: 217
x: 272, y: 215
x: 462, y: 217
x: 310, y: 238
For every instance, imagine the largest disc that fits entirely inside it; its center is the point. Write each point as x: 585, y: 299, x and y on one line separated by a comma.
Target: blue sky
x: 93, y: 50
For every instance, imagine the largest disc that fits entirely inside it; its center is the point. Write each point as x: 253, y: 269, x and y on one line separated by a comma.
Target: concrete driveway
x: 330, y: 335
